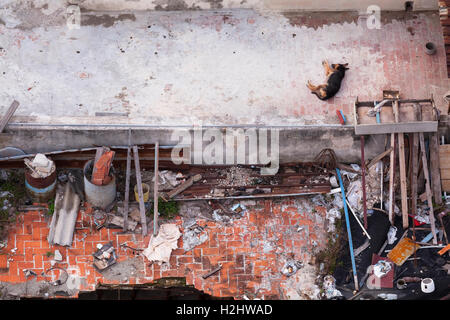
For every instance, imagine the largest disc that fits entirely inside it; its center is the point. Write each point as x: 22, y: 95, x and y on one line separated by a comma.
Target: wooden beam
x: 427, y: 186
x: 414, y: 172
x: 403, y: 187
x: 127, y: 191
x: 4, y: 121
x: 434, y: 164
x: 140, y: 191
x: 189, y: 182
x: 403, y: 127
x: 155, y: 191
x: 363, y: 179
x: 378, y: 158
x: 391, y: 180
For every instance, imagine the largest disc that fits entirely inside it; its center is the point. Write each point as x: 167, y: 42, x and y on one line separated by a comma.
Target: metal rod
x: 347, y: 220
x: 359, y: 222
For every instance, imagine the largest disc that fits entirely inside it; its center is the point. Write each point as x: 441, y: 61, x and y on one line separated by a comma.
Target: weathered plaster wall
x: 282, y: 5
x: 236, y: 67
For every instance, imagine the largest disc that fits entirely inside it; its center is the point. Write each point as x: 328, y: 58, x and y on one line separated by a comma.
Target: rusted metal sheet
x: 40, y: 189
x: 402, y: 251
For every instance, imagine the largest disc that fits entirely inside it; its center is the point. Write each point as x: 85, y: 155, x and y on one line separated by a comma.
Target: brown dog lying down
x: 334, y: 74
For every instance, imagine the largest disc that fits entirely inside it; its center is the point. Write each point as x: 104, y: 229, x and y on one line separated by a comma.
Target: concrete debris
x: 329, y: 285
x: 160, y: 247
x: 169, y: 177
x: 382, y: 268
x: 354, y: 195
x: 291, y: 267
x: 391, y: 238
x: 332, y: 215
x: 193, y: 236
x: 58, y: 256
x: 388, y: 296
x: 40, y: 166
x: 236, y: 176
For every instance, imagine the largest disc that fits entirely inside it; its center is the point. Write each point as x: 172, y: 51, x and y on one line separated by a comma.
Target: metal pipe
x: 347, y: 220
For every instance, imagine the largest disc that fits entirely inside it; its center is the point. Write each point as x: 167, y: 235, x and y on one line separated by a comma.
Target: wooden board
x: 444, y: 163
x: 444, y: 156
x: 4, y: 121
x: 140, y: 191
x: 403, y: 188
x: 391, y: 180
x: 414, y: 172
x: 406, y: 127
x: 427, y: 186
x: 434, y: 169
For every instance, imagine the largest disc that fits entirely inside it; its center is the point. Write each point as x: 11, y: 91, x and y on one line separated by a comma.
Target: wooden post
x: 427, y: 186
x: 414, y: 172
x: 155, y: 190
x: 435, y: 167
x: 403, y: 187
x: 140, y: 191
x: 363, y: 176
x: 4, y: 121
x: 127, y: 184
x: 391, y: 180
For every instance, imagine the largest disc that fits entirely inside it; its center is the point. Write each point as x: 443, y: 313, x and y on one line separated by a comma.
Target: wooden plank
x: 445, y: 174
x: 403, y: 188
x: 444, y: 156
x: 189, y: 182
x: 414, y: 172
x: 378, y: 158
x: 391, y: 180
x: 140, y: 191
x: 155, y: 191
x: 127, y: 191
x: 402, y: 127
x: 434, y: 168
x: 446, y: 185
x: 427, y: 186
x: 9, y: 113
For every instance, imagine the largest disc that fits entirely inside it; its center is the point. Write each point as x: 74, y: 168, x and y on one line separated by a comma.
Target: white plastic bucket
x: 427, y: 285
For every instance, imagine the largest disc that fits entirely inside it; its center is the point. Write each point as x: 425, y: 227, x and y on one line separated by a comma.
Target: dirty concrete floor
x: 211, y: 67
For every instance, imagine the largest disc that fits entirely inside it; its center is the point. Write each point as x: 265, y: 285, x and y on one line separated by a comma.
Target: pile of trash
x: 40, y: 166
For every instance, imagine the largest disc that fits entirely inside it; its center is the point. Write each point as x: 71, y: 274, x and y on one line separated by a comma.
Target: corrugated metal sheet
x: 444, y: 9
x: 62, y: 227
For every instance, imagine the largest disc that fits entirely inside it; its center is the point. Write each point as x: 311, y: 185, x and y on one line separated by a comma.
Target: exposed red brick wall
x: 252, y: 250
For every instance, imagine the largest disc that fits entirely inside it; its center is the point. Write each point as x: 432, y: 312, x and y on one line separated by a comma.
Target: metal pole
x: 347, y: 220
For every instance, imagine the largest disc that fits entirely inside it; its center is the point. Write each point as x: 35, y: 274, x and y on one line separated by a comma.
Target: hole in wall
x: 409, y: 5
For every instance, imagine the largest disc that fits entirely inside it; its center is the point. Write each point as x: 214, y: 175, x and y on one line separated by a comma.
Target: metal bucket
x: 40, y: 189
x: 98, y: 196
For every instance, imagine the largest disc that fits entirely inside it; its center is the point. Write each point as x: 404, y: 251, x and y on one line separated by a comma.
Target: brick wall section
x: 252, y: 250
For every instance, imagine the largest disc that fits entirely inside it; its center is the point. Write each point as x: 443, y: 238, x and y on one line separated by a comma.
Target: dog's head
x: 340, y: 66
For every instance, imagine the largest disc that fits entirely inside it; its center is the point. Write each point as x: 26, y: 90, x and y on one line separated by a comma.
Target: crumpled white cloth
x: 160, y: 247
